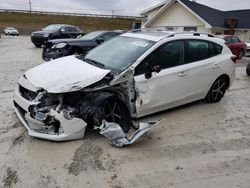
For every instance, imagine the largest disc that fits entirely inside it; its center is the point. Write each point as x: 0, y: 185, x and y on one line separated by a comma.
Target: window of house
x: 190, y: 29
x: 196, y: 50
x: 166, y: 56
x: 169, y: 28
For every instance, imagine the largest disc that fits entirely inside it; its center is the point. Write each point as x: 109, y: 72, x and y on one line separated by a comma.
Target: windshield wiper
x: 94, y: 62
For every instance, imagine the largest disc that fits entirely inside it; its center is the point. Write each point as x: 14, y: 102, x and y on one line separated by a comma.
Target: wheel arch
x: 227, y: 78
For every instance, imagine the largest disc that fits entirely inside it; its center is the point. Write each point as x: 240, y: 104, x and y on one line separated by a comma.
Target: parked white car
x: 11, y: 31
x: 130, y: 76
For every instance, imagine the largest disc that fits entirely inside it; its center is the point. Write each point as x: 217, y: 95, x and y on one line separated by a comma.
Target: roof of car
x: 148, y: 35
x: 159, y: 35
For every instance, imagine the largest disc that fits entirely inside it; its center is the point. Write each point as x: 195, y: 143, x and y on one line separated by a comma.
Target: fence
x: 70, y: 14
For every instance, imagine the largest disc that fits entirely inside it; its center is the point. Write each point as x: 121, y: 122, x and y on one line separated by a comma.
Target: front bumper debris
x: 114, y: 133
x: 66, y: 127
x: 59, y: 117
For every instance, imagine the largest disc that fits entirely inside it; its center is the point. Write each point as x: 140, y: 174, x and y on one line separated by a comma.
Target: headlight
x: 59, y: 45
x: 46, y: 35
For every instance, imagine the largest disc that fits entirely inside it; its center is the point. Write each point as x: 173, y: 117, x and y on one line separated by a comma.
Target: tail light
x: 234, y: 58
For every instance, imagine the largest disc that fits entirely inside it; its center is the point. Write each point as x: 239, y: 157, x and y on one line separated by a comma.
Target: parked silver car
x: 11, y: 31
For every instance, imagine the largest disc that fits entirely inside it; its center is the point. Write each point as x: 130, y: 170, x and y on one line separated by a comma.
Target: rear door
x: 202, y: 66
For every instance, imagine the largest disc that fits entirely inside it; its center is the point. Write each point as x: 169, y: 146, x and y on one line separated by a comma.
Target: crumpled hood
x: 65, y: 74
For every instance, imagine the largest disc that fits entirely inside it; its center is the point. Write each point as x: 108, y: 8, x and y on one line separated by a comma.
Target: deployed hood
x: 65, y: 74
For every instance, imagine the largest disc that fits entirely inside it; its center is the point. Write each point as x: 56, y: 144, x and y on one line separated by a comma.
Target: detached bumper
x: 70, y: 129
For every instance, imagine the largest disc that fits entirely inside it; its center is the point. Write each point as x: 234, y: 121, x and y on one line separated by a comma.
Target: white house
x: 187, y: 15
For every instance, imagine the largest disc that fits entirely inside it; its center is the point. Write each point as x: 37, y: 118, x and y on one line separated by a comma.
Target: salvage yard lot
x: 198, y: 145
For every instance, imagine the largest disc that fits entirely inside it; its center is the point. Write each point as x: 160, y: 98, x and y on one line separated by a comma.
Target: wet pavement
x: 197, y: 145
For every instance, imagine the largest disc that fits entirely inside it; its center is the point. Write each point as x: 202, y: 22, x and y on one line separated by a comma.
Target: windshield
x: 119, y: 52
x: 92, y: 35
x: 52, y: 27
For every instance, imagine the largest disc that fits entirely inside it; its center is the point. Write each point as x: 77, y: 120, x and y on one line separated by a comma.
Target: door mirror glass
x: 156, y: 69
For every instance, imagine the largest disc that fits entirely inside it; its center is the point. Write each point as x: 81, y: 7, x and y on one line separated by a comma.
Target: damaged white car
x: 130, y: 76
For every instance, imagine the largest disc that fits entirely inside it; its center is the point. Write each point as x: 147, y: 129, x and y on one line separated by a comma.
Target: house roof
x: 214, y: 17
x: 153, y: 7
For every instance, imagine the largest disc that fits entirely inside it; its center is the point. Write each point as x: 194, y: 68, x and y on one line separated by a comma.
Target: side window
x: 229, y: 40
x: 72, y: 29
x: 166, y: 56
x: 235, y: 40
x: 65, y: 29
x: 108, y: 36
x: 214, y: 49
x: 218, y: 48
x: 196, y: 50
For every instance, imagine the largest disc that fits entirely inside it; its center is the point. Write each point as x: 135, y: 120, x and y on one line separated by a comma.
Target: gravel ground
x: 198, y: 145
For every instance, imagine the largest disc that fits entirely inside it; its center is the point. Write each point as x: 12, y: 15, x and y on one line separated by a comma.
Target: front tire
x: 248, y: 69
x: 115, y: 111
x: 38, y: 45
x: 217, y: 90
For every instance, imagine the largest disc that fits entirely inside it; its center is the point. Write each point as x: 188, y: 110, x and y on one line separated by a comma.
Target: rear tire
x: 241, y: 54
x: 248, y: 69
x: 217, y: 90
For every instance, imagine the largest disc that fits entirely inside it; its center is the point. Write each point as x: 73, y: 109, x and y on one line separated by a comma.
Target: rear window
x: 218, y: 48
x: 198, y: 50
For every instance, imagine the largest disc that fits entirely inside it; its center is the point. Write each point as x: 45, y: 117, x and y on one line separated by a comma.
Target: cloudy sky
x: 121, y: 7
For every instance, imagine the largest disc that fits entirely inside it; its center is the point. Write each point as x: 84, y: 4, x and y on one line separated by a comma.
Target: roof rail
x: 150, y: 30
x: 191, y: 33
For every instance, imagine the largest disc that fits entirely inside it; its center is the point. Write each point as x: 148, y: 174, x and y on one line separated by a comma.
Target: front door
x: 158, y: 91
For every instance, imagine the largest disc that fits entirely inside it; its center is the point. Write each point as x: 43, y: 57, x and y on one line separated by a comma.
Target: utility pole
x: 113, y: 12
x: 30, y: 5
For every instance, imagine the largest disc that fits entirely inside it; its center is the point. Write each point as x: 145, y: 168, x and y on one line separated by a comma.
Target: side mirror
x: 226, y: 42
x: 155, y: 68
x: 148, y: 75
x: 100, y: 40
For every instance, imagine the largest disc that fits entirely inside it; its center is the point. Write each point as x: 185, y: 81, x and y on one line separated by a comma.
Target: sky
x: 119, y: 7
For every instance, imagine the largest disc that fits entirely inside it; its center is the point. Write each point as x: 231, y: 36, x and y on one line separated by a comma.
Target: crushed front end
x: 45, y: 115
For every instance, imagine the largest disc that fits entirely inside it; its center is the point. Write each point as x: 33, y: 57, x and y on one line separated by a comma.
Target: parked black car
x: 63, y: 47
x: 54, y: 31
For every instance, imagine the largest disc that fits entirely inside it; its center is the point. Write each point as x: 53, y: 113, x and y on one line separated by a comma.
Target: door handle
x: 216, y: 66
x: 182, y: 74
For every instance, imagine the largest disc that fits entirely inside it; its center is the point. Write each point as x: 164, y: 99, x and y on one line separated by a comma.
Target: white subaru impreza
x: 130, y: 76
